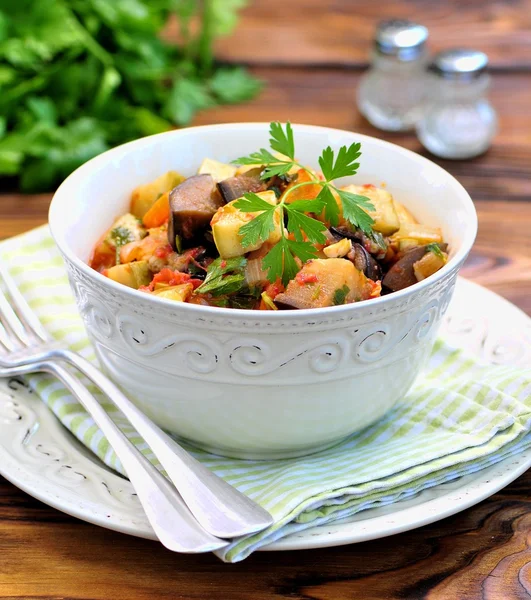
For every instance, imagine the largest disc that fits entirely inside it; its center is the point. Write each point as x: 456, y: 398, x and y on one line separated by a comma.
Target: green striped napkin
x: 461, y: 417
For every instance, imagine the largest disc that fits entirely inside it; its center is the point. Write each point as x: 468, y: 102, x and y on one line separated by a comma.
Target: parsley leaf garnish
x: 252, y: 202
x: 353, y: 205
x: 344, y: 164
x: 258, y: 229
x: 282, y: 141
x: 299, y: 223
x: 307, y: 231
x: 280, y: 262
x: 262, y: 225
x: 261, y: 157
x: 331, y: 207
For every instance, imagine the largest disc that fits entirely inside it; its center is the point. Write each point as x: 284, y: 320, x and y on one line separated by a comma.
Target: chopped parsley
x: 340, y: 295
x: 120, y: 237
x: 435, y: 249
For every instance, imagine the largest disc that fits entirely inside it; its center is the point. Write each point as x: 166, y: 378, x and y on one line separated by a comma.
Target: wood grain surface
x: 310, y: 54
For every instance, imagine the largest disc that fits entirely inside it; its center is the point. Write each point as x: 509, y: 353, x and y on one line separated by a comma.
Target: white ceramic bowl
x: 249, y: 383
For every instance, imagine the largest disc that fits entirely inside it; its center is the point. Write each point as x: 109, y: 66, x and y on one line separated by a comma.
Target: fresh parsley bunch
x: 296, y: 216
x: 80, y: 76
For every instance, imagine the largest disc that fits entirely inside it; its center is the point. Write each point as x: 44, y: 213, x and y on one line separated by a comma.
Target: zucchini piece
x: 423, y: 234
x: 144, y: 196
x: 429, y: 264
x: 218, y: 170
x: 135, y: 230
x: 407, y: 244
x: 404, y: 216
x: 133, y: 275
x: 227, y: 222
x: 178, y: 293
x: 384, y: 213
x: 339, y: 249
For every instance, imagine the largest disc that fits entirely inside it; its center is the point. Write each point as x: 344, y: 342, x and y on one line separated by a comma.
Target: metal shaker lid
x: 401, y: 38
x: 459, y: 64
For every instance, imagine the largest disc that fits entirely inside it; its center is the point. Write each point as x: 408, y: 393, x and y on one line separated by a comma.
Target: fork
x: 220, y: 508
x: 168, y: 515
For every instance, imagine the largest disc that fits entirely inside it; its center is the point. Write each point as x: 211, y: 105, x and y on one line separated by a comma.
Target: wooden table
x: 310, y: 54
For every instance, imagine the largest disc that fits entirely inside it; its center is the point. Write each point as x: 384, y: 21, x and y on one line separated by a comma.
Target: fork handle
x: 169, y: 516
x: 219, y: 507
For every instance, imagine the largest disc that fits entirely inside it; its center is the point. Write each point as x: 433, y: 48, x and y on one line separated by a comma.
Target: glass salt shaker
x: 458, y: 120
x: 391, y: 93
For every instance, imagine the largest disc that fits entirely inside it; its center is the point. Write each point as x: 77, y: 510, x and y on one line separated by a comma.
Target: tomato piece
x: 303, y: 278
x: 274, y: 289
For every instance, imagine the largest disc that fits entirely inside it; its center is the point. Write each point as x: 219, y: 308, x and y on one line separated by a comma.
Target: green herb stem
x: 299, y: 185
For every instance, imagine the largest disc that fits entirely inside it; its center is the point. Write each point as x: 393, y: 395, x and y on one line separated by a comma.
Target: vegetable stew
x: 268, y: 233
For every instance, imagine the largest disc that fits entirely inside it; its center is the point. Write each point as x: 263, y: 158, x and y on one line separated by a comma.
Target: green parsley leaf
x: 353, y: 211
x: 272, y: 165
x: 224, y: 276
x: 258, y: 229
x: 435, y: 249
x: 253, y: 203
x: 273, y: 262
x: 278, y: 169
x: 307, y: 206
x: 224, y: 285
x: 282, y: 141
x: 344, y: 164
x: 298, y: 223
x: 262, y: 157
x: 331, y: 207
x: 280, y: 263
x: 303, y: 250
x: 340, y: 295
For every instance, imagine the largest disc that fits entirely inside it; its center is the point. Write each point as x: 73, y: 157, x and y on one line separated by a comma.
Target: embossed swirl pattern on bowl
x: 222, y: 349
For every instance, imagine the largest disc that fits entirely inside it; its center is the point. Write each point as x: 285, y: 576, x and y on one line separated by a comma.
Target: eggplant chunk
x: 235, y: 187
x: 376, y: 246
x: 192, y: 204
x: 363, y: 261
x: 401, y: 275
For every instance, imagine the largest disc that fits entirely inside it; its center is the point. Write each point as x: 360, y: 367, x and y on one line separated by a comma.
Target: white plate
x: 40, y: 456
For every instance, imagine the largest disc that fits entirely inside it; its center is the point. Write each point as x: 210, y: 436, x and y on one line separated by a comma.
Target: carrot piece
x: 159, y: 213
x: 307, y: 192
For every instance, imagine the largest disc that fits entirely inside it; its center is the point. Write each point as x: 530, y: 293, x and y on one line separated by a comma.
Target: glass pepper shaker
x: 458, y: 120
x: 391, y: 93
